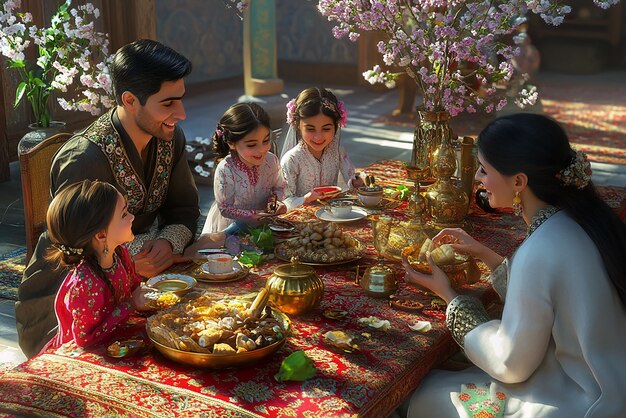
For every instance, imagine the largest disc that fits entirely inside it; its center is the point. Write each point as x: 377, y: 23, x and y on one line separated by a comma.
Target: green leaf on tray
x: 250, y: 258
x: 262, y: 237
x: 404, y: 191
x: 297, y: 366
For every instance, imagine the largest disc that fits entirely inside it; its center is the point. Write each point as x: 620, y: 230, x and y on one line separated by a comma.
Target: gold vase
x: 431, y: 129
x: 448, y: 204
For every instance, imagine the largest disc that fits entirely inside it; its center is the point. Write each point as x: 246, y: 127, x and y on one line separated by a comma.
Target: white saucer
x: 356, y: 214
x: 220, y: 276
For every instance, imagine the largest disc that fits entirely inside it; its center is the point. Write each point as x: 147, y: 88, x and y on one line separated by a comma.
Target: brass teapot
x: 295, y: 288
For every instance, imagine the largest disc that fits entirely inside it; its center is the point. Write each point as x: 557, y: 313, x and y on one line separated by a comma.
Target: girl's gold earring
x: 517, y: 204
x: 105, y: 251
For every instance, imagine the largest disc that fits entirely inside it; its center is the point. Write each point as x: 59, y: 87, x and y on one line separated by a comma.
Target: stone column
x: 261, y: 81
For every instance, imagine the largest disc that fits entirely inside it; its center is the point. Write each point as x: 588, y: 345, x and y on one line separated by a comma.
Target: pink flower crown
x: 577, y: 173
x: 326, y: 103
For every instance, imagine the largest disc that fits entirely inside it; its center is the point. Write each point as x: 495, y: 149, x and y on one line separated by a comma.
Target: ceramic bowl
x: 370, y: 196
x: 179, y: 284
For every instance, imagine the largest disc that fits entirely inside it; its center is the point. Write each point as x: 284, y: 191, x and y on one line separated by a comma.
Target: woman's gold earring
x: 106, y: 249
x: 517, y: 204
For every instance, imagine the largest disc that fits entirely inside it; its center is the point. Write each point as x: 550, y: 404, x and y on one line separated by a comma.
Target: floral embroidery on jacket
x: 103, y: 134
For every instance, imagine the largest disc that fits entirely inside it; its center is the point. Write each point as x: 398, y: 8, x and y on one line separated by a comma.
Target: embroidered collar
x: 540, y: 218
x: 113, y: 267
x: 252, y: 172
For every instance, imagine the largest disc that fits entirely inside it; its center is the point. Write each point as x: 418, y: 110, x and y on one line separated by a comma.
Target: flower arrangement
x: 69, y: 49
x: 453, y: 49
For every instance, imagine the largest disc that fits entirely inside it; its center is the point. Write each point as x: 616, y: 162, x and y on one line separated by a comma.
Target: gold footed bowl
x: 463, y: 271
x: 223, y: 361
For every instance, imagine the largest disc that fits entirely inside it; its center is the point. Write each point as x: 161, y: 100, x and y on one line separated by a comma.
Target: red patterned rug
x: 594, y: 115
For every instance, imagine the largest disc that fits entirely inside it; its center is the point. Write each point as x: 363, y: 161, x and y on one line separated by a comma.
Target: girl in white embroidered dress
x: 312, y: 155
x: 249, y: 176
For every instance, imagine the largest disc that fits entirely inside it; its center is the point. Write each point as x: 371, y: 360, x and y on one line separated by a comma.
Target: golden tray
x: 222, y: 361
x: 287, y: 257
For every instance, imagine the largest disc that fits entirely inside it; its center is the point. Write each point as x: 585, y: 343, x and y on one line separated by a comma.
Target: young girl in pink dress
x: 88, y: 223
x: 248, y: 179
x: 311, y: 154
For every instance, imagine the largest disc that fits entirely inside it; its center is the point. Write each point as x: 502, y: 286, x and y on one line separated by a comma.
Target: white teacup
x: 340, y: 208
x: 220, y: 263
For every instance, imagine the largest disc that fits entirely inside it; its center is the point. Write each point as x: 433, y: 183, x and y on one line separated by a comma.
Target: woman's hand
x: 463, y: 243
x: 438, y: 282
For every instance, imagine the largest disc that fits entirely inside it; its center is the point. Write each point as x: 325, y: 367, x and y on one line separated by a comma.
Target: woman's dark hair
x: 538, y: 146
x: 238, y: 121
x: 75, y: 215
x: 142, y: 66
x: 310, y: 103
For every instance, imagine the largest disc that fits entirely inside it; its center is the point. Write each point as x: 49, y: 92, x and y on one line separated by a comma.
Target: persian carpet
x: 12, y: 266
x: 594, y: 116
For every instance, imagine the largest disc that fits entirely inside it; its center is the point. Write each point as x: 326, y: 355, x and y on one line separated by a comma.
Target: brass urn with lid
x: 295, y: 288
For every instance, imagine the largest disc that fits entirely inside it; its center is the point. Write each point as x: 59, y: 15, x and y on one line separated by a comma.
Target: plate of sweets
x: 219, y: 333
x: 320, y: 243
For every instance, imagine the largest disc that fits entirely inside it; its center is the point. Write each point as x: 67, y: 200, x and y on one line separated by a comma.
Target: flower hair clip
x: 67, y: 250
x: 219, y: 132
x: 577, y: 173
x: 291, y: 111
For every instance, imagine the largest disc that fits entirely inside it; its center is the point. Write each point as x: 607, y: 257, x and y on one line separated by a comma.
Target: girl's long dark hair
x: 237, y: 122
x: 75, y: 215
x: 538, y: 146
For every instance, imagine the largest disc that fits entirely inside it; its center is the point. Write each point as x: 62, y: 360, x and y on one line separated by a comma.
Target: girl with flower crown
x: 312, y: 155
x: 558, y: 349
x: 248, y: 183
x: 88, y: 224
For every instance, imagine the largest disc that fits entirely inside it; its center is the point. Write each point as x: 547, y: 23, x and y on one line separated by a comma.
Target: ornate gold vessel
x: 405, y: 233
x: 433, y: 127
x: 463, y: 271
x: 295, y: 288
x: 448, y: 204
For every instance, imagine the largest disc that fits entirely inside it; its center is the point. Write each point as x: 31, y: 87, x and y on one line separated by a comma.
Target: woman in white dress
x: 248, y: 183
x: 312, y: 155
x: 558, y: 350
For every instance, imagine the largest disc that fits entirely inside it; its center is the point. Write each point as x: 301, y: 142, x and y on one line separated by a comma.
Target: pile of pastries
x: 444, y: 255
x: 321, y: 242
x: 207, y: 325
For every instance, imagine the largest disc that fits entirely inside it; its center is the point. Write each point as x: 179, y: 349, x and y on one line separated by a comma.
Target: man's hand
x: 208, y: 240
x: 154, y: 257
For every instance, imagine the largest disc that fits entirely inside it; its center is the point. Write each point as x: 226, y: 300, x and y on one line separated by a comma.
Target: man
x: 138, y: 148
